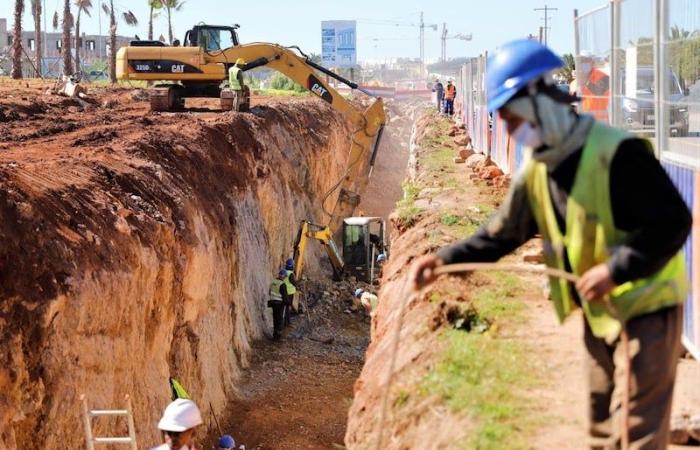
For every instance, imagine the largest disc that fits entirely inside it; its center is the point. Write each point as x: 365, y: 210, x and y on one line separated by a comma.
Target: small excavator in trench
x: 363, y: 241
x: 199, y: 67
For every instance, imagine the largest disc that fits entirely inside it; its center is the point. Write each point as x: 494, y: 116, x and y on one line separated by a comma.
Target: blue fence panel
x: 684, y: 179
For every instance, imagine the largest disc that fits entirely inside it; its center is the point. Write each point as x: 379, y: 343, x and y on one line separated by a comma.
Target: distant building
x: 92, y: 47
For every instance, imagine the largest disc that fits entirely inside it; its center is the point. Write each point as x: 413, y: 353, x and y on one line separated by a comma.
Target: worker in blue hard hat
x: 607, y: 212
x: 226, y: 442
x: 294, y: 307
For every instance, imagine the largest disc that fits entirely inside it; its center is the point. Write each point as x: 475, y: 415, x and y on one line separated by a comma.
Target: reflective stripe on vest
x: 233, y: 78
x: 275, y: 294
x: 291, y: 289
x: 591, y: 234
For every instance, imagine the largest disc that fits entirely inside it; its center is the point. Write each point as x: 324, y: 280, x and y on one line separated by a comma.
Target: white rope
x: 408, y: 294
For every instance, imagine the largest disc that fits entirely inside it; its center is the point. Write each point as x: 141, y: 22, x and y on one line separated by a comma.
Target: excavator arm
x: 321, y: 233
x: 196, y: 65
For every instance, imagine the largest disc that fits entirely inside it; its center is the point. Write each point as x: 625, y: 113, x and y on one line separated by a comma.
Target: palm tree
x: 154, y: 5
x: 169, y: 6
x: 38, y: 45
x: 569, y: 69
x: 65, y: 44
x: 17, y: 41
x: 83, y: 6
x: 130, y: 19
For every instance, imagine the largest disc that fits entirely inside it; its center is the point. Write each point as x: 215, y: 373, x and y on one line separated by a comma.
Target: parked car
x: 638, y: 107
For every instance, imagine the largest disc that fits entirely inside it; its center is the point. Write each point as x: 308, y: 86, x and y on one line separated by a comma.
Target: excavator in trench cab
x: 363, y: 241
x: 199, y: 66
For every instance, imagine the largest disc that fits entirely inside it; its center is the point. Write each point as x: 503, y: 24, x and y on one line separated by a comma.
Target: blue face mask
x: 528, y: 135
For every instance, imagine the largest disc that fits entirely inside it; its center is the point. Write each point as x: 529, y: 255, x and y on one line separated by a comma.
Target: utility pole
x: 46, y: 48
x: 443, y: 38
x: 546, y: 10
x: 422, y: 45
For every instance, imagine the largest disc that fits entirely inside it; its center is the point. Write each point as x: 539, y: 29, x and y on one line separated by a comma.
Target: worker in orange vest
x: 595, y: 89
x: 450, y: 94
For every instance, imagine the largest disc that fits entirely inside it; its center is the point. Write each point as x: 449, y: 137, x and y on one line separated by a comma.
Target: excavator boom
x: 198, y: 69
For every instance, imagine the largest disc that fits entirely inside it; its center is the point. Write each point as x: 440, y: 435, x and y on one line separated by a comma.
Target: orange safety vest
x: 595, y: 95
x: 450, y: 92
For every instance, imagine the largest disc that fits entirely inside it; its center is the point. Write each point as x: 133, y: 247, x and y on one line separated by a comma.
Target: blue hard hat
x: 512, y: 66
x: 227, y: 442
x: 290, y: 264
x: 358, y: 292
x: 381, y: 257
x: 282, y: 273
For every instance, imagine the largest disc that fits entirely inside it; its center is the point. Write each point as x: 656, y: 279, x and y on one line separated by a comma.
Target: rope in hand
x: 408, y: 295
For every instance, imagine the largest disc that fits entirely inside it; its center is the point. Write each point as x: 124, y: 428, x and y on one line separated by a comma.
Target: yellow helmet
x: 240, y: 62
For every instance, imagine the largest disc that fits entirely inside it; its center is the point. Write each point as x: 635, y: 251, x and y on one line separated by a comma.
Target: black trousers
x: 449, y: 106
x: 277, y: 319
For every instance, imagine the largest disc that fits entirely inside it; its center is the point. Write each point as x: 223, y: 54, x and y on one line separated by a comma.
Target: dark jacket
x: 644, y: 202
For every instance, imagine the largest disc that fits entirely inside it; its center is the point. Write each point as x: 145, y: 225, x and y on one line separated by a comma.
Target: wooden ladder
x: 88, y: 414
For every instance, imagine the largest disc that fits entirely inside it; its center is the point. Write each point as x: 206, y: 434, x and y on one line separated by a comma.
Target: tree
x: 154, y: 6
x: 568, y: 71
x: 38, y: 44
x: 17, y: 41
x: 129, y: 18
x: 170, y: 6
x: 65, y: 44
x: 83, y: 6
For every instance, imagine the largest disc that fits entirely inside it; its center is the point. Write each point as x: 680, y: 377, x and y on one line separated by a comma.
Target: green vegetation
x: 485, y: 377
x: 282, y: 93
x: 407, y: 210
x: 283, y: 83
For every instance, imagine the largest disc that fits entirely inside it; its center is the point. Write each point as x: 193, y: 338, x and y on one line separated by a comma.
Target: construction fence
x: 637, y: 68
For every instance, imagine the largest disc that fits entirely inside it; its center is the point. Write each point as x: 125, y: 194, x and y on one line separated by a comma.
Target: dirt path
x: 297, y: 392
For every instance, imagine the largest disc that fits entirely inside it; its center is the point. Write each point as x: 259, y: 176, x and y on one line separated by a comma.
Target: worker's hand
x: 596, y: 283
x: 423, y: 270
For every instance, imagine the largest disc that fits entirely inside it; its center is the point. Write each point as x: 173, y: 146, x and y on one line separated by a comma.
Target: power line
x: 546, y: 10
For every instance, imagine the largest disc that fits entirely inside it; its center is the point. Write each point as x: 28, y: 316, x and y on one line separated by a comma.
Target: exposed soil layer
x: 138, y: 246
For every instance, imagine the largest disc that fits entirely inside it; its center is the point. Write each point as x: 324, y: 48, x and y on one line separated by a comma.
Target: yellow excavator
x: 364, y: 239
x: 199, y: 66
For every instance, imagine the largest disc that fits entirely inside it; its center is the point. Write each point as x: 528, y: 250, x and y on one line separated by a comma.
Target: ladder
x: 88, y: 414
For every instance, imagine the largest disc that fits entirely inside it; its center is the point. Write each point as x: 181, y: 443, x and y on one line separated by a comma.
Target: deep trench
x: 147, y: 253
x: 296, y: 393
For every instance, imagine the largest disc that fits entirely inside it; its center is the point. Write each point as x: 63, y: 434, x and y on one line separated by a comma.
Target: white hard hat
x: 180, y: 415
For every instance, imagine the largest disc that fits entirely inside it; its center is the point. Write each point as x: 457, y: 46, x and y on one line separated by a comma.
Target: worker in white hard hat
x: 178, y: 424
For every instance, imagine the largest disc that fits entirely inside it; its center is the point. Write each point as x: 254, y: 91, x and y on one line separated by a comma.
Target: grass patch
x: 407, y: 210
x: 497, y: 300
x: 440, y: 158
x: 486, y: 377
x: 281, y: 93
x: 459, y: 226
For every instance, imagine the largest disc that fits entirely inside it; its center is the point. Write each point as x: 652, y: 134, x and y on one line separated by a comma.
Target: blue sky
x: 299, y: 22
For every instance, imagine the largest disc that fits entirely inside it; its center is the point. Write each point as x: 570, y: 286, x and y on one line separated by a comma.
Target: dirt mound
x: 139, y: 246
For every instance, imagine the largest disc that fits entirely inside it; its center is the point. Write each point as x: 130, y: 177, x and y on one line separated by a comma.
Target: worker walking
x: 178, y: 424
x: 278, y: 300
x: 236, y: 82
x: 450, y: 95
x: 439, y: 90
x: 607, y: 212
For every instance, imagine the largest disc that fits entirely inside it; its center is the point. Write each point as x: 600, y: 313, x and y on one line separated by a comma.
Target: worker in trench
x: 294, y: 307
x: 607, y: 212
x: 178, y: 425
x: 279, y: 299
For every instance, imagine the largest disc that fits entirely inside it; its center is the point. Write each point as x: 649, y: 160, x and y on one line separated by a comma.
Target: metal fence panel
x: 652, y: 61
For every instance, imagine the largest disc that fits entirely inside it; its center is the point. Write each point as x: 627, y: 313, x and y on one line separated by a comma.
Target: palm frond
x: 55, y: 20
x: 105, y: 8
x: 130, y: 18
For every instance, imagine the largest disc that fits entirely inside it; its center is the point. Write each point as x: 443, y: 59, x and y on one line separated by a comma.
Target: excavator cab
x: 363, y: 241
x: 212, y: 38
